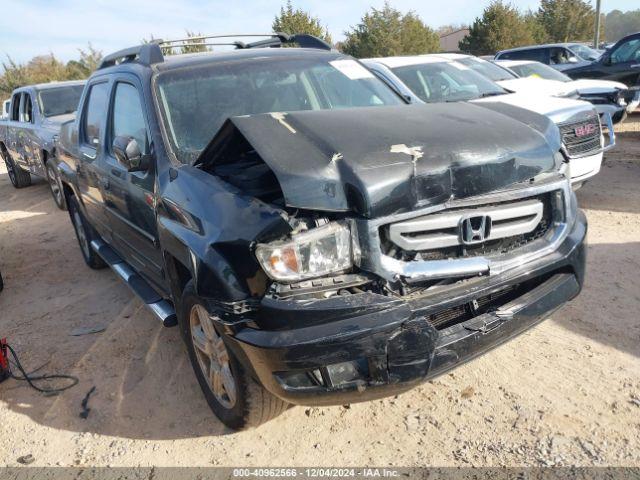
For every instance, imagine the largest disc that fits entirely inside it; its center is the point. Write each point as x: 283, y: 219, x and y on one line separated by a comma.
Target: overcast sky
x: 34, y: 27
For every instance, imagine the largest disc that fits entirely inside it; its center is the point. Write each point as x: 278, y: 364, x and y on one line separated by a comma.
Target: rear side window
x: 537, y: 54
x: 128, y: 119
x: 94, y: 113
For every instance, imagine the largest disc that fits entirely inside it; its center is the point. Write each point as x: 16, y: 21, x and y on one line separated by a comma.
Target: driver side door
x: 130, y: 198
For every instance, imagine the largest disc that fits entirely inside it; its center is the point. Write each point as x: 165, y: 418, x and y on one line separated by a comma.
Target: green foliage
x: 567, y: 20
x: 620, y: 24
x: 47, y: 68
x: 534, y: 26
x: 387, y: 32
x: 293, y: 21
x: 501, y: 26
x: 194, y: 44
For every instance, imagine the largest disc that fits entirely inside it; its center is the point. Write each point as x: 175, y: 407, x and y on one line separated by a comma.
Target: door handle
x: 90, y: 157
x: 116, y: 173
x: 637, y: 65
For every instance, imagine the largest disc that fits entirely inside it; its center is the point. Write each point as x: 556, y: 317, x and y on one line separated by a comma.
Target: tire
x: 85, y: 234
x: 55, y: 184
x: 239, y: 402
x: 19, y: 178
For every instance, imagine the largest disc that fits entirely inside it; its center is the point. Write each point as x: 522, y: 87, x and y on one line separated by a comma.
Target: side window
x: 560, y: 56
x: 537, y: 54
x: 93, y: 114
x: 15, y: 107
x: 127, y: 119
x: 27, y: 109
x: 627, y: 52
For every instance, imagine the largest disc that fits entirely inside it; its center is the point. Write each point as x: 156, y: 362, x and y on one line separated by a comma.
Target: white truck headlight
x: 310, y: 254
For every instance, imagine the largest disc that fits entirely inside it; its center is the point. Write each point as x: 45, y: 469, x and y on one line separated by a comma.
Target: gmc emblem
x: 584, y: 130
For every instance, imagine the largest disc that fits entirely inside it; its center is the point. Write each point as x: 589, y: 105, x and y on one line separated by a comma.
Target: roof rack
x: 150, y: 53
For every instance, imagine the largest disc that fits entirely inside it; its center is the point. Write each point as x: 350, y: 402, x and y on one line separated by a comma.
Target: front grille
x: 578, y: 144
x: 487, y: 248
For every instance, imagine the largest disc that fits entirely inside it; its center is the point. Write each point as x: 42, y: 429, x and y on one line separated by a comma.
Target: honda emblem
x: 475, y: 229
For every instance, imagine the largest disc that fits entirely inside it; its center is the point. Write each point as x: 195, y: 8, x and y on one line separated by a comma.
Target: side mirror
x: 128, y: 154
x: 573, y: 60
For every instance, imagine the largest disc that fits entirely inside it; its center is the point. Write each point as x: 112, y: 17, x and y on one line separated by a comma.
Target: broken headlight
x: 310, y: 254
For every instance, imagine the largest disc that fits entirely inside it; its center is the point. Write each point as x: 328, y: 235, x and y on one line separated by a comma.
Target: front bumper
x: 365, y: 346
x: 583, y: 168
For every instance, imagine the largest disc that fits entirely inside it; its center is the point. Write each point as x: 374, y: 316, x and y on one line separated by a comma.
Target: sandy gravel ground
x: 565, y: 393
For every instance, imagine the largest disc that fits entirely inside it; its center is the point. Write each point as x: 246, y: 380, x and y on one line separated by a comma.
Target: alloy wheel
x: 54, y: 183
x: 213, y: 357
x: 81, y: 232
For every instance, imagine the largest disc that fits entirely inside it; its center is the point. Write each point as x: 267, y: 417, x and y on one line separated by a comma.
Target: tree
x: 298, y: 21
x: 89, y: 61
x: 567, y: 20
x: 387, y: 32
x: 47, y: 68
x: 501, y: 26
x: 619, y: 24
x: 534, y: 26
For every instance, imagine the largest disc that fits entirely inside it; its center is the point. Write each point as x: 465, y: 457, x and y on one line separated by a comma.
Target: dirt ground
x: 565, y: 393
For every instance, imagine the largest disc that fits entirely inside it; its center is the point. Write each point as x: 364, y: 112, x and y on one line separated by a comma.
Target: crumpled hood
x: 382, y: 160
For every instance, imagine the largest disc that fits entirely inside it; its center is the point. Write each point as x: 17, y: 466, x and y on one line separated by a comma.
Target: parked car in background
x: 608, y: 96
x: 559, y: 55
x: 620, y: 63
x: 611, y: 101
x: 317, y: 240
x: 437, y: 79
x: 28, y: 135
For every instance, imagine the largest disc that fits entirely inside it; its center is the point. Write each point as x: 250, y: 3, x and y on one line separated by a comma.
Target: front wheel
x: 233, y: 396
x: 85, y: 234
x: 55, y: 184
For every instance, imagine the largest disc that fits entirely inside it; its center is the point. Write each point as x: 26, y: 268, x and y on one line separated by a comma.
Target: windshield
x: 488, y: 69
x: 584, y: 52
x: 539, y: 70
x: 59, y: 101
x: 196, y: 101
x: 446, y: 82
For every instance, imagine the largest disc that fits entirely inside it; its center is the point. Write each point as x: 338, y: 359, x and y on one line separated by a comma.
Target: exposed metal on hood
x: 391, y: 159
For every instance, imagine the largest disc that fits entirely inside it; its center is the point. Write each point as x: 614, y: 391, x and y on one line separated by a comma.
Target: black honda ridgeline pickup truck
x: 317, y: 240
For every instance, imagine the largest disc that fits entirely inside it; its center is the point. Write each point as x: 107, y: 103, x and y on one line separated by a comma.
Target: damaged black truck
x: 317, y: 240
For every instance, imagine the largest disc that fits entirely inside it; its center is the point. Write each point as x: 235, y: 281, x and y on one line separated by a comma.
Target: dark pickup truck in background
x: 620, y: 63
x: 28, y: 134
x: 317, y: 240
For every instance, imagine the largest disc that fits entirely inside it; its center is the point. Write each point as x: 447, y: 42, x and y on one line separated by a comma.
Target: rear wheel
x: 233, y: 396
x: 55, y: 184
x: 85, y: 234
x: 19, y: 178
